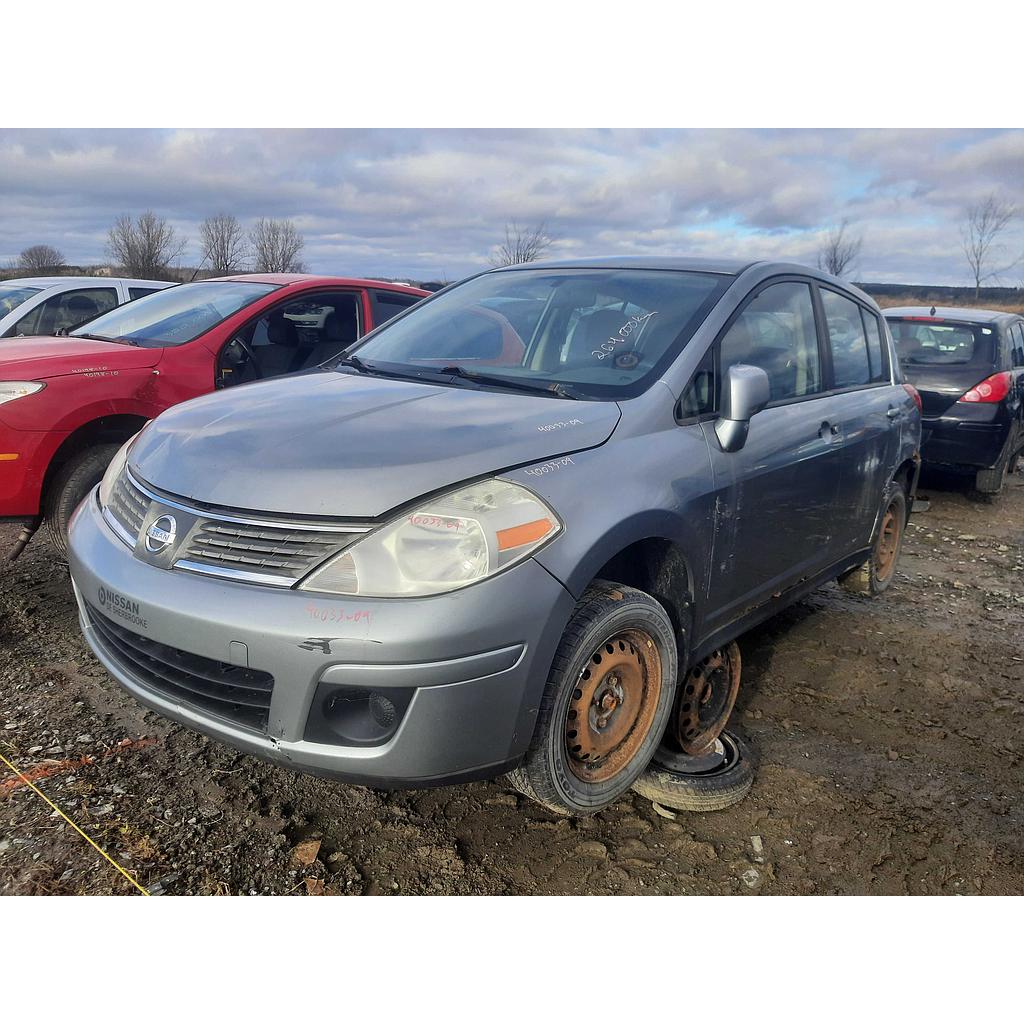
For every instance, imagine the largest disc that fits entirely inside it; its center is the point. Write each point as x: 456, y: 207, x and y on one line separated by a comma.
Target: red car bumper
x: 24, y: 456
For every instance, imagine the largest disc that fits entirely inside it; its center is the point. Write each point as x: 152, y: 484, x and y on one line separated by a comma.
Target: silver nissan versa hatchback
x: 514, y: 530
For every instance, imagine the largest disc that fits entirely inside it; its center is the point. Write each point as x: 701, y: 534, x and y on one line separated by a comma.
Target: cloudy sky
x: 429, y: 204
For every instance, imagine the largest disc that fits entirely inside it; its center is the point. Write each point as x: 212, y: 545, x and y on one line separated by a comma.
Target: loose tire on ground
x: 606, y: 702
x: 712, y: 791
x: 874, y: 576
x: 72, y: 482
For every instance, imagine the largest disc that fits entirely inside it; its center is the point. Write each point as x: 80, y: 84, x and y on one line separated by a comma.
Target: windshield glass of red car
x: 937, y: 342
x: 175, y: 315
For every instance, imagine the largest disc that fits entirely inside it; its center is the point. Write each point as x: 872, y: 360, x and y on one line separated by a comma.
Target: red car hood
x: 39, y: 358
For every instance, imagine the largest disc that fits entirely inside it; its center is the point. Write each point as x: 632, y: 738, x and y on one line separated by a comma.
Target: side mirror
x: 746, y: 390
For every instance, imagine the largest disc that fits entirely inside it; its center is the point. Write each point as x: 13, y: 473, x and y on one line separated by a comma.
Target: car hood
x: 336, y: 444
x: 39, y: 358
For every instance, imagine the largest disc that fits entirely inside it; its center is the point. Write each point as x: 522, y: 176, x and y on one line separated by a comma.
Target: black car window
x: 137, y: 293
x: 776, y: 332
x: 850, y: 364
x: 937, y: 342
x: 1017, y: 334
x: 876, y: 355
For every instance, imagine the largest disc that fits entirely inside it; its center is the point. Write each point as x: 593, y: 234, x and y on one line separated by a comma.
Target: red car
x: 68, y: 403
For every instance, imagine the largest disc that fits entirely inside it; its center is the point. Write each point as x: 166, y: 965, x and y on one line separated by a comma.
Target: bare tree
x: 979, y: 234
x: 840, y: 251
x: 41, y: 257
x: 277, y: 247
x: 146, y: 246
x: 223, y: 243
x: 521, y: 245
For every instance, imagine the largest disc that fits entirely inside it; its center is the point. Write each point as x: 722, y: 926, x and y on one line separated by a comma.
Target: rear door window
x: 389, y: 304
x: 851, y: 366
x: 1017, y: 333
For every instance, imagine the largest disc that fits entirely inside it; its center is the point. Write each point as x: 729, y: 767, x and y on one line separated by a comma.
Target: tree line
x: 147, y: 246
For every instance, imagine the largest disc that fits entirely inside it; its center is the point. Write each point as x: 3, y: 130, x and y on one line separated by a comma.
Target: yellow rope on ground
x: 28, y: 782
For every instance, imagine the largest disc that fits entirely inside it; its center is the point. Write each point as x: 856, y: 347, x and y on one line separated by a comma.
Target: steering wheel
x: 250, y: 357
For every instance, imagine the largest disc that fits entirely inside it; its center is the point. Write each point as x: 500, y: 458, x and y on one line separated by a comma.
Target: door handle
x: 827, y: 430
x: 892, y: 413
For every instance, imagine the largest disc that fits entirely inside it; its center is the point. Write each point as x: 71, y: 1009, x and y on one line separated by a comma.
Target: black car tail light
x: 991, y: 389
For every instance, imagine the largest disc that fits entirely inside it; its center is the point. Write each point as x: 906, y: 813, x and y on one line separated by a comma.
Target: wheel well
x: 658, y: 567
x: 904, y: 475
x: 105, y: 430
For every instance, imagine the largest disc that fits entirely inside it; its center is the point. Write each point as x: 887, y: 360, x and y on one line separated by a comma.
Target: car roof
x: 708, y: 266
x: 981, y: 316
x: 53, y: 282
x: 319, y: 279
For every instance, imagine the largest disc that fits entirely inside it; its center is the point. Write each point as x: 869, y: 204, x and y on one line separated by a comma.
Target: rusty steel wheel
x: 613, y: 705
x: 706, y: 700
x: 888, y: 546
x: 874, y: 576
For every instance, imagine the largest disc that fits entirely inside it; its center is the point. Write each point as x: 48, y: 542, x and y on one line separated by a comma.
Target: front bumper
x: 473, y: 662
x: 24, y: 457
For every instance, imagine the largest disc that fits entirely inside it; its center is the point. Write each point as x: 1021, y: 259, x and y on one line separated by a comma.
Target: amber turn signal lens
x: 528, y: 533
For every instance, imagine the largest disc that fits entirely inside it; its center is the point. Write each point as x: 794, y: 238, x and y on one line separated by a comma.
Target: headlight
x: 450, y: 542
x: 114, y: 470
x: 12, y: 389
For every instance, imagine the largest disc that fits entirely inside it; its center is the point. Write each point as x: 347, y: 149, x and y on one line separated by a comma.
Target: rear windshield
x: 605, y: 333
x: 175, y: 315
x: 12, y: 296
x: 941, y: 342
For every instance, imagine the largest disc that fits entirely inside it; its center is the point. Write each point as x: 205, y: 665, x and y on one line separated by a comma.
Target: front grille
x: 128, y: 505
x: 283, y: 552
x: 238, y: 695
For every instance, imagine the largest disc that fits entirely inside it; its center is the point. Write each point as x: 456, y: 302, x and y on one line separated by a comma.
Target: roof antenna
x: 200, y: 267
x: 932, y: 313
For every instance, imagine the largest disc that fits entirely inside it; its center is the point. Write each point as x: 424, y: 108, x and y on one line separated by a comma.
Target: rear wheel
x: 606, y: 702
x: 874, y: 576
x: 72, y: 482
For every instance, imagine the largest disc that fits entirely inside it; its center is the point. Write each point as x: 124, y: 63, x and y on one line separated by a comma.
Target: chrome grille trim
x: 278, y: 524
x: 122, y: 534
x: 127, y: 510
x: 240, y: 575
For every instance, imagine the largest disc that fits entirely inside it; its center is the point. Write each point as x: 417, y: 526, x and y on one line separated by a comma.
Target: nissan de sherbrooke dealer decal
x: 123, y: 607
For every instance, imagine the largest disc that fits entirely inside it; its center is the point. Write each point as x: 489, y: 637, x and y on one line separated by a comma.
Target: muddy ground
x: 890, y: 735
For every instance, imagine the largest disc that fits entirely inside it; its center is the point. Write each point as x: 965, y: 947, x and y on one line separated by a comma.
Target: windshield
x: 940, y: 343
x: 174, y: 315
x: 12, y: 296
x: 602, y: 333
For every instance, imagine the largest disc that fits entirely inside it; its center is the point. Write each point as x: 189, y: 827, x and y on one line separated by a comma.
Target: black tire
x: 550, y: 774
x: 711, y: 791
x: 876, y: 574
x: 71, y: 483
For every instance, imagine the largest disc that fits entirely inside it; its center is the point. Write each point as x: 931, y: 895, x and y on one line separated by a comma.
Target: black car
x: 968, y: 365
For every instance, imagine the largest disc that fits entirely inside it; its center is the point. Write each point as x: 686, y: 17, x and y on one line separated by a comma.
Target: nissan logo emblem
x: 161, y: 534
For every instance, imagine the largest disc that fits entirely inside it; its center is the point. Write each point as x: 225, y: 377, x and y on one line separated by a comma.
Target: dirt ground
x: 889, y: 735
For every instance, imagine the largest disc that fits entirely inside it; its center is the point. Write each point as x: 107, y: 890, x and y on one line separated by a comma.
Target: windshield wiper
x: 551, y: 388
x: 100, y: 337
x: 372, y: 369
